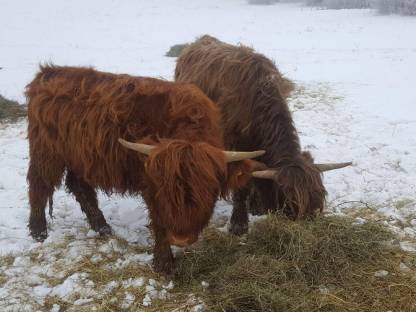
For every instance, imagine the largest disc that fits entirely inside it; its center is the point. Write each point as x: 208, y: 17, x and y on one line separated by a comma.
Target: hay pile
x: 329, y: 264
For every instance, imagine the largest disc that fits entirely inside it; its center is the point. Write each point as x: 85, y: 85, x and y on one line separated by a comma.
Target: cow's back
x: 247, y: 87
x: 78, y: 114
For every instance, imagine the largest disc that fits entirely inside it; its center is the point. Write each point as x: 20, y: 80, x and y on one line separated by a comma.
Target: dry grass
x: 5, y: 261
x: 11, y: 111
x: 327, y: 264
x: 323, y: 265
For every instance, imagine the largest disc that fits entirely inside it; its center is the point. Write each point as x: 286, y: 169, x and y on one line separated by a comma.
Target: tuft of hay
x: 327, y: 264
x: 176, y: 49
x: 11, y: 111
x: 5, y: 261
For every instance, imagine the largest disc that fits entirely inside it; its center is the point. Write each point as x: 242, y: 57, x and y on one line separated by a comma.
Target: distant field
x: 11, y: 110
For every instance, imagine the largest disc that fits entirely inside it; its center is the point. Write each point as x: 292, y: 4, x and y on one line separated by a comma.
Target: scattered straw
x: 327, y: 264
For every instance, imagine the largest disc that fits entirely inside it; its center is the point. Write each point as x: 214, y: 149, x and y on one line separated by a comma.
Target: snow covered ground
x: 355, y: 100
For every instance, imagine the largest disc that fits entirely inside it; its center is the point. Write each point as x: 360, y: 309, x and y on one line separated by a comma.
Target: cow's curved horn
x: 328, y: 167
x: 139, y: 147
x: 231, y: 156
x: 270, y: 173
x: 264, y: 174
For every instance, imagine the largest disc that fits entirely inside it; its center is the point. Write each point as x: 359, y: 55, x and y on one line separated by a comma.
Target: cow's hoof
x: 100, y: 226
x: 39, y: 236
x: 105, y: 230
x: 38, y: 229
x: 238, y: 229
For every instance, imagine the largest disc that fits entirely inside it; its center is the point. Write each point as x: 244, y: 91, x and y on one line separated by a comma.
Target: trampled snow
x: 355, y: 100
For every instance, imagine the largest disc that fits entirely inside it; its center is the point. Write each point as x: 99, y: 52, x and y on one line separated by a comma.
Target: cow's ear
x: 307, y: 156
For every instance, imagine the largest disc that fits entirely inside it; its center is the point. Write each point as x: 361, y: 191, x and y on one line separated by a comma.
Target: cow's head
x: 299, y: 188
x: 184, y: 181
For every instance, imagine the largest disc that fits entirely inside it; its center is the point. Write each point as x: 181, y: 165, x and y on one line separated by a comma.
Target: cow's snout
x: 182, y: 241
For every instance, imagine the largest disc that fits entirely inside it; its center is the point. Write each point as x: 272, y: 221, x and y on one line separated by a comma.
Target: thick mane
x: 248, y: 88
x: 252, y: 94
x: 79, y: 113
x: 171, y: 181
x: 76, y: 118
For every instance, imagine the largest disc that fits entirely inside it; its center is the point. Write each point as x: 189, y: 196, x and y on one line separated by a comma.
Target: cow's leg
x: 87, y: 198
x: 253, y: 202
x: 239, y: 217
x: 39, y: 193
x: 265, y: 197
x: 162, y: 254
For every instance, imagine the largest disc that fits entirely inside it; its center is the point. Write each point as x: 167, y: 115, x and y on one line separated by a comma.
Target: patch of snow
x: 147, y: 301
x: 40, y: 292
x: 408, y: 246
x: 360, y: 221
x: 91, y: 234
x: 162, y: 294
x: 410, y: 231
x: 135, y: 283
x: 404, y: 268
x: 105, y: 249
x: 381, y: 273
x: 169, y: 286
x: 76, y: 284
x: 96, y: 258
x: 151, y: 291
x: 128, y: 300
x: 144, y: 258
x: 110, y: 287
x: 55, y: 308
x: 198, y: 308
x: 131, y: 259
x: 80, y: 302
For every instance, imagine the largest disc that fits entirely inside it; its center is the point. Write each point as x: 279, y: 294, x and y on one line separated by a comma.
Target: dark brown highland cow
x: 77, y: 118
x: 251, y: 94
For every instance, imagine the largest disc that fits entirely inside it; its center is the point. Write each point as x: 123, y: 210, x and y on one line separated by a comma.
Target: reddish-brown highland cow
x: 171, y: 151
x: 251, y: 93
